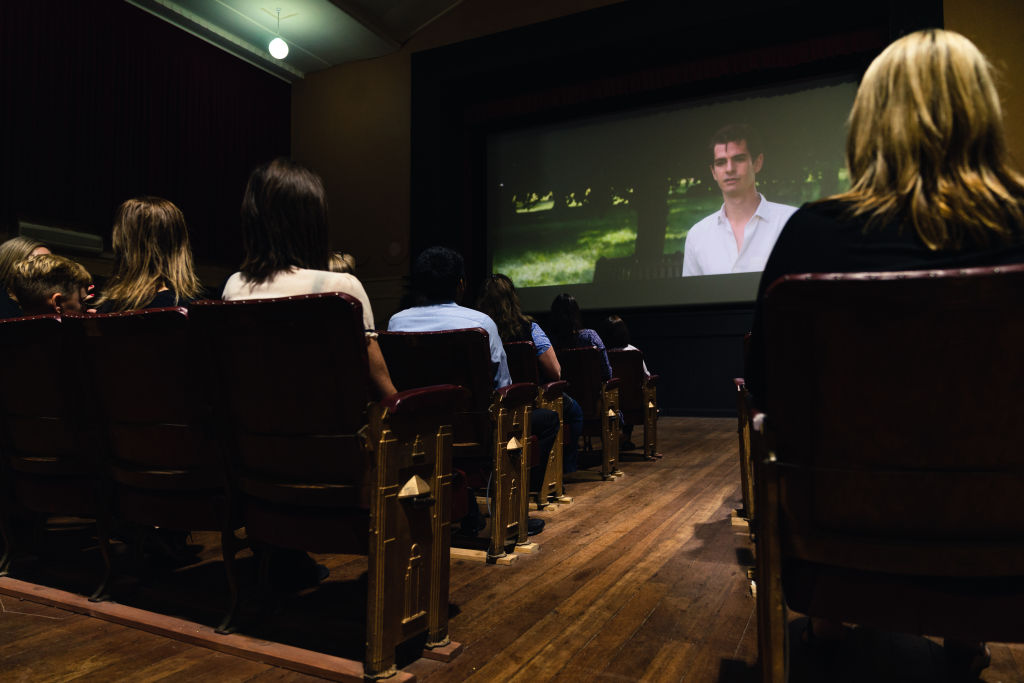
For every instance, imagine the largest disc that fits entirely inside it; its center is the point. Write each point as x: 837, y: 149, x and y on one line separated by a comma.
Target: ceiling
x: 319, y: 33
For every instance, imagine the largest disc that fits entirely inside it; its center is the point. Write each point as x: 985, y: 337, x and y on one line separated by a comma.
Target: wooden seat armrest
x: 739, y: 382
x: 424, y: 406
x: 517, y: 395
x: 553, y: 390
x: 652, y: 380
x: 612, y: 383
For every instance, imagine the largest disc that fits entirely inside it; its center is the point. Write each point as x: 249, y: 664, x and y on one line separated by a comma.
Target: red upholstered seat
x: 318, y: 467
x: 599, y: 401
x: 889, y: 456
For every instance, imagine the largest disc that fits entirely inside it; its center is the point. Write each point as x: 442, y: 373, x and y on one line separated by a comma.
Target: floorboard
x: 639, y: 579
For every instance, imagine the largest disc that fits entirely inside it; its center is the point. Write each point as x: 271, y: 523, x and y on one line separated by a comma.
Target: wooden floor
x: 643, y: 578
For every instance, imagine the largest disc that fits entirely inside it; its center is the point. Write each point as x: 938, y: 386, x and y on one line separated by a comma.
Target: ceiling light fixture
x: 278, y: 48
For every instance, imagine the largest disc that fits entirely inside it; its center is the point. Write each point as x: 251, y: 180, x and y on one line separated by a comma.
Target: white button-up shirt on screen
x: 711, y: 247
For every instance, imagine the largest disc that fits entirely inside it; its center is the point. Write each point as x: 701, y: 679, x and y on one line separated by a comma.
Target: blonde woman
x: 152, y: 258
x: 931, y: 188
x: 12, y: 252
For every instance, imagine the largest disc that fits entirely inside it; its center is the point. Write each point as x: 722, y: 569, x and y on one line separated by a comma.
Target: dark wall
x: 628, y: 55
x: 102, y: 101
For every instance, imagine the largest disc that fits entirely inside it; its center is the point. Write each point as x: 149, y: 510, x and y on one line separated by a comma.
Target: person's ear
x: 758, y: 163
x: 57, y: 301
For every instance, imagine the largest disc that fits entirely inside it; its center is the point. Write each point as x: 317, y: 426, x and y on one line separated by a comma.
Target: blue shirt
x: 540, y: 340
x: 451, y: 316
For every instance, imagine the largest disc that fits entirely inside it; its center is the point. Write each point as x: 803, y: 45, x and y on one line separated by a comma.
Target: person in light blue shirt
x: 439, y: 279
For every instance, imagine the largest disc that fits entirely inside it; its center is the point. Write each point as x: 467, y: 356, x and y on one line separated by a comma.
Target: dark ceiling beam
x: 371, y: 21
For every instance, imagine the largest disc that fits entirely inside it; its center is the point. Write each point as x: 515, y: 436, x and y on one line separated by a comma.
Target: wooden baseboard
x: 246, y: 647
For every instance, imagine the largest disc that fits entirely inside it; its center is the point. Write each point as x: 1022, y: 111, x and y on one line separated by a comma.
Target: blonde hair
x: 340, y: 262
x: 151, y: 251
x: 926, y: 142
x: 37, y: 278
x: 12, y: 252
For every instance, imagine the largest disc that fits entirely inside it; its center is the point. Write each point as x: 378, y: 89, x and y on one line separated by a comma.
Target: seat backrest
x: 522, y: 361
x: 460, y: 357
x: 891, y: 410
x: 581, y: 367
x: 45, y: 409
x: 294, y: 379
x: 628, y: 366
x: 147, y: 376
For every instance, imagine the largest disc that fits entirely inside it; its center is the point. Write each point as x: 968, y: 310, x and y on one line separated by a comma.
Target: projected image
x: 649, y: 196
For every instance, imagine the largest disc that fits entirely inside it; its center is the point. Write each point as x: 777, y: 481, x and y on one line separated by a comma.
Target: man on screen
x: 738, y: 237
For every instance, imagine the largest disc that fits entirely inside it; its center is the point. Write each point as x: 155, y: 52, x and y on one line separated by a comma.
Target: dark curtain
x: 102, y: 101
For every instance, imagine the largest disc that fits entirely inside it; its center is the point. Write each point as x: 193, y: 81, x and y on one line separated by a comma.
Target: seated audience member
x: 498, y: 299
x: 152, y: 258
x: 616, y: 336
x: 568, y: 331
x: 439, y: 281
x: 48, y: 283
x: 284, y: 239
x: 340, y: 262
x: 930, y: 188
x: 12, y: 252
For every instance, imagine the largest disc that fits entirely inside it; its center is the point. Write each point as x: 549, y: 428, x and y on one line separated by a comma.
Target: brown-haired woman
x: 498, y: 299
x: 284, y: 240
x: 152, y: 258
x: 12, y: 252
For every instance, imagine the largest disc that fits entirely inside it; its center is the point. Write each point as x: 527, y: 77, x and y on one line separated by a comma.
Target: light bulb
x: 278, y: 48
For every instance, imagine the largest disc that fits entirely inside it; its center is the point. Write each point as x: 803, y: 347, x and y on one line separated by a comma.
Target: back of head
x: 340, y: 262
x: 615, y: 333
x: 565, y: 320
x: 151, y: 251
x: 12, y: 252
x: 498, y: 299
x: 437, y: 274
x: 926, y: 143
x: 284, y: 220
x: 736, y: 132
x: 36, y: 279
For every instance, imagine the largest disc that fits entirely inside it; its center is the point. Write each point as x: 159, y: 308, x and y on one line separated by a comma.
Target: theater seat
x: 889, y: 452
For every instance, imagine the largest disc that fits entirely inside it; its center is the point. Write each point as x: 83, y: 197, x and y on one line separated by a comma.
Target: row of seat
x: 881, y: 479
x: 258, y: 415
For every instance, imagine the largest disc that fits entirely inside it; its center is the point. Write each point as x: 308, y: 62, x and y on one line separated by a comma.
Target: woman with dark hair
x: 152, y: 258
x: 568, y: 331
x: 930, y: 188
x: 616, y: 335
x: 12, y: 252
x: 284, y: 240
x: 498, y: 299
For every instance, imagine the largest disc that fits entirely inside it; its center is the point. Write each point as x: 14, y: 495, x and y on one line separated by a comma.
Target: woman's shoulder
x: 824, y: 213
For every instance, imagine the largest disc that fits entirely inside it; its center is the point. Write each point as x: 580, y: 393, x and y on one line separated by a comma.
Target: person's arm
x: 379, y: 375
x: 547, y: 361
x: 549, y: 368
x: 594, y: 339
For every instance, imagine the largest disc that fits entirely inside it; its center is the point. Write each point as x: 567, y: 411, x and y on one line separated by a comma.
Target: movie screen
x: 603, y: 207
